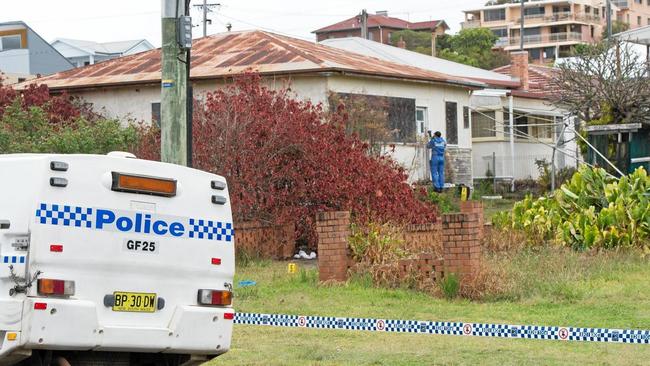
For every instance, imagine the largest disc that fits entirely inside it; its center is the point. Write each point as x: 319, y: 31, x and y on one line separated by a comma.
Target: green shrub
x: 30, y: 131
x: 445, y: 202
x: 591, y: 210
x: 450, y: 285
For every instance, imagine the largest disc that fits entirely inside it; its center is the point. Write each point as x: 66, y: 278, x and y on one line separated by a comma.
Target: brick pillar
x: 461, y: 234
x: 474, y: 207
x: 333, y: 230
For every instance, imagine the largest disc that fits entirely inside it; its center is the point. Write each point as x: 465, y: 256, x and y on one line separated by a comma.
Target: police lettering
x: 140, y: 223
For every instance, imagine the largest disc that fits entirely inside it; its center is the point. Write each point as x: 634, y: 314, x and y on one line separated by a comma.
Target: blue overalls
x: 437, y: 146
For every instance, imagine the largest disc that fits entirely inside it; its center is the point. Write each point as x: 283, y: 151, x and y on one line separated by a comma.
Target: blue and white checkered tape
x: 448, y: 328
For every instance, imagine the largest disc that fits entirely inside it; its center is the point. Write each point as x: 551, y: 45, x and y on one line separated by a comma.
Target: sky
x: 117, y: 20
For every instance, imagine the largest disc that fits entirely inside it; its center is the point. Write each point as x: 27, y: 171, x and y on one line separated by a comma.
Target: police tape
x: 448, y: 328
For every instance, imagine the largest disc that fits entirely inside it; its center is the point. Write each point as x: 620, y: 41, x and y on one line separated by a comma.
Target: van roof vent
x: 121, y: 154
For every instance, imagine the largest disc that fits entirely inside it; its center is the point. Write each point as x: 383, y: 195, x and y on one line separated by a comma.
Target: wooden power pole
x: 176, y: 42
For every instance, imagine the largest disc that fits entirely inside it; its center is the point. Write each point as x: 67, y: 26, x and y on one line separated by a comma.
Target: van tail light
x: 48, y: 287
x: 143, y: 184
x: 215, y: 297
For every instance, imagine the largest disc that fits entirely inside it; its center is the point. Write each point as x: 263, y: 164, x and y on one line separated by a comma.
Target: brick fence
x: 451, y: 245
x: 264, y: 240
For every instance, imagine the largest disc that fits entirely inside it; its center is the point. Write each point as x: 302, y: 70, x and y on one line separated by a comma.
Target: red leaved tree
x: 286, y: 159
x: 59, y: 108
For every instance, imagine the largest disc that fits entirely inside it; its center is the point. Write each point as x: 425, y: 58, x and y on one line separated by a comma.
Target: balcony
x: 548, y: 38
x: 469, y: 24
x: 559, y: 17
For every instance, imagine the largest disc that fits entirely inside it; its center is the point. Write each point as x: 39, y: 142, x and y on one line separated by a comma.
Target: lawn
x: 545, y: 287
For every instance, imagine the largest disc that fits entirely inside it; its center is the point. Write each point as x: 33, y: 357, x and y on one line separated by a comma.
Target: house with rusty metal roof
x: 418, y: 100
x: 380, y: 27
x: 529, y: 84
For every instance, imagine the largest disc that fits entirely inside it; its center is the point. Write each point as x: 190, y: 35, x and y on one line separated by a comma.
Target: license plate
x: 137, y: 302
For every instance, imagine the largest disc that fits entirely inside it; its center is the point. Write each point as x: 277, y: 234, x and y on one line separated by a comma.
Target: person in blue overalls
x: 437, y: 145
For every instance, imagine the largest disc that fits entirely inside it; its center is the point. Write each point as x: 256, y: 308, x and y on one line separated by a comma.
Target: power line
x: 206, y: 8
x: 264, y: 28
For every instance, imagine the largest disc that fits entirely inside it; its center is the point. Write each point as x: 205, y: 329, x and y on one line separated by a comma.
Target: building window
x: 535, y: 11
x: 638, y: 20
x: 451, y: 118
x: 86, y: 63
x: 155, y: 113
x: 500, y: 32
x: 371, y: 36
x: 493, y: 15
x: 20, y: 80
x: 466, y: 115
x: 11, y: 42
x: 483, y: 124
x: 390, y: 36
x: 421, y: 119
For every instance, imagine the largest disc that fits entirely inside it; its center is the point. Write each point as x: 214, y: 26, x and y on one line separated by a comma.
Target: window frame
x: 447, y: 122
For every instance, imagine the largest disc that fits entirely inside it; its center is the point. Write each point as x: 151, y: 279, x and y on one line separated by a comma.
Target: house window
x: 451, y: 119
x: 155, y: 113
x: 20, y: 80
x: 421, y: 119
x: 483, y: 124
x: 466, y: 115
x: 529, y: 126
x: 492, y: 15
x: 86, y: 63
x: 11, y: 42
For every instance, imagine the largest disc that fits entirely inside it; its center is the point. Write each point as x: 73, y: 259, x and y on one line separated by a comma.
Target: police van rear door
x: 139, y: 238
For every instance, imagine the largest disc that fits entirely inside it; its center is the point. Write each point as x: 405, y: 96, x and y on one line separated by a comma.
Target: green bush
x: 445, y: 202
x: 450, y: 285
x: 30, y: 131
x: 591, y: 210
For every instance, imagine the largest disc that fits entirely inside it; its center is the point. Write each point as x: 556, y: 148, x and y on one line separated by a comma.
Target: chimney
x: 519, y: 67
x: 401, y: 43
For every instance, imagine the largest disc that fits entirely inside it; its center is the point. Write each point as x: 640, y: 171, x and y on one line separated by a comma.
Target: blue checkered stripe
x: 65, y: 215
x: 449, y: 328
x: 13, y: 259
x: 495, y: 330
x: 609, y: 335
x: 211, y: 230
x: 537, y: 332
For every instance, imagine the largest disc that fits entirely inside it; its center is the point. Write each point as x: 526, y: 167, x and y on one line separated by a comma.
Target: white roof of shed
x: 638, y: 35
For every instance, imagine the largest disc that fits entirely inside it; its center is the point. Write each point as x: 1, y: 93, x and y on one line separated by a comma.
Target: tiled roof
x: 379, y: 20
x: 227, y: 54
x: 540, y: 79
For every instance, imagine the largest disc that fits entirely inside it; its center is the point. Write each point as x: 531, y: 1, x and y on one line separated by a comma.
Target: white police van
x: 113, y: 260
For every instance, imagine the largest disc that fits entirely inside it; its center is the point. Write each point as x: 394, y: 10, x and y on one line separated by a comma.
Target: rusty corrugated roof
x: 228, y: 54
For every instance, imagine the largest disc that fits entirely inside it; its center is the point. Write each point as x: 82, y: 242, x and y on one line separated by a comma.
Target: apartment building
x: 636, y: 13
x: 551, y: 27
